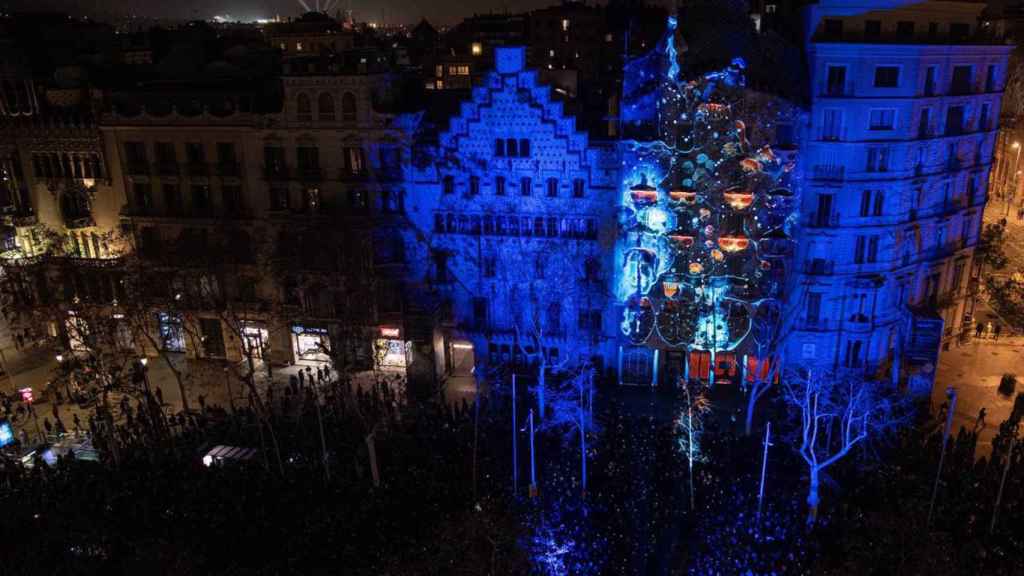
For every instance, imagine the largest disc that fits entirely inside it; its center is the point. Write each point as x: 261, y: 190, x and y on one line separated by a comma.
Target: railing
x: 198, y: 169
x: 228, y: 169
x: 817, y: 220
x: 828, y: 172
x: 310, y: 173
x: 78, y: 221
x: 137, y: 169
x: 814, y: 323
x: 279, y: 172
x: 819, y: 267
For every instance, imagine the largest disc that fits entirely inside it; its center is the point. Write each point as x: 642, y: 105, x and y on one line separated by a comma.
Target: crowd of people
x: 362, y: 479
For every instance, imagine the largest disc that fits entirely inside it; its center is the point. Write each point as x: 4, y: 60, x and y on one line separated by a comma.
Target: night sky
x: 388, y: 11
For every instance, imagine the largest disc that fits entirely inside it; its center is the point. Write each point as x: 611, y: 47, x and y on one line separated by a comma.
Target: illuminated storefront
x: 311, y: 342
x: 390, y: 350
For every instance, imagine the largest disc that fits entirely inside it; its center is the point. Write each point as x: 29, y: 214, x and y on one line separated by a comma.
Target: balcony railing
x: 198, y: 169
x: 167, y: 168
x: 275, y: 172
x: 820, y: 220
x: 137, y: 169
x: 310, y: 173
x: 228, y: 169
x: 74, y: 221
x: 814, y: 323
x: 819, y: 267
x: 828, y: 172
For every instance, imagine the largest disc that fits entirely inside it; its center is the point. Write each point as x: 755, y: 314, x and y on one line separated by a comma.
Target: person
x: 988, y: 327
x: 979, y: 329
x: 302, y: 378
x: 999, y: 328
x: 979, y: 424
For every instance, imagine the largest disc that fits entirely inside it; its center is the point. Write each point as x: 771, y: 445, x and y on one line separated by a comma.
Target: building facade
x: 511, y: 227
x: 904, y: 116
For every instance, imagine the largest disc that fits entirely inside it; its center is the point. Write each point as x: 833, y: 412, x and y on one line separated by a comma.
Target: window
x: 886, y: 76
x: 858, y: 252
x: 879, y: 203
x: 480, y: 313
x: 226, y: 154
x: 552, y: 187
x: 448, y: 185
x: 499, y: 186
x: 476, y: 48
x: 358, y: 200
x: 355, y: 160
x: 853, y: 353
x: 458, y: 70
x: 954, y: 120
x: 348, y: 107
x: 565, y: 25
x: 833, y: 28
x: 873, y: 249
x: 933, y: 30
x: 554, y: 318
x: 959, y: 31
x: 194, y: 153
x: 279, y: 199
x: 231, y: 197
x: 823, y: 217
x: 149, y: 242
x: 490, y: 266
x: 200, y: 198
x: 865, y: 203
x: 212, y: 337
x: 883, y: 119
x: 165, y: 153
x: 525, y: 186
x: 499, y: 147
x: 303, y: 109
x: 905, y: 30
x: 524, y: 148
x: 309, y: 158
x: 872, y: 29
x: 312, y: 198
x: 832, y: 125
x: 813, y: 312
x: 929, y: 81
x: 923, y: 123
x: 511, y: 148
x: 957, y: 280
x: 325, y: 107
x: 298, y: 46
x: 990, y: 78
x: 474, y: 185
x: 836, y: 81
x: 983, y: 118
x: 961, y: 82
x: 578, y: 188
x: 878, y: 159
x: 143, y: 198
x: 172, y: 198
x: 273, y: 160
x: 770, y: 8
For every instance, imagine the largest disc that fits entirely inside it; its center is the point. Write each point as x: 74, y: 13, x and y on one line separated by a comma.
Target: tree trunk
x: 541, y: 389
x: 749, y: 423
x: 812, y: 498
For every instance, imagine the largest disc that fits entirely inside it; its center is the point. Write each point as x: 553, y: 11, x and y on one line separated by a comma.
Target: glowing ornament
x: 643, y: 194
x: 717, y: 255
x: 733, y: 243
x: 696, y: 268
x: 738, y: 198
x: 684, y: 196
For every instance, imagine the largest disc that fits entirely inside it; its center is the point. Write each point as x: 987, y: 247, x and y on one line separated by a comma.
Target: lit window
x: 608, y: 37
x: 298, y: 46
x: 438, y: 71
x: 440, y: 84
x: 565, y: 25
x: 883, y: 119
x: 477, y: 49
x: 283, y: 47
x: 551, y: 53
x: 770, y: 8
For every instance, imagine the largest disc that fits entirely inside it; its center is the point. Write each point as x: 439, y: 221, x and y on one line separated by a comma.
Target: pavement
x: 974, y: 370
x: 218, y: 382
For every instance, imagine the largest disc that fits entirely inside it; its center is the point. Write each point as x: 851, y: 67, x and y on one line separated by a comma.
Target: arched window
x: 348, y: 107
x: 325, y: 106
x: 303, y: 111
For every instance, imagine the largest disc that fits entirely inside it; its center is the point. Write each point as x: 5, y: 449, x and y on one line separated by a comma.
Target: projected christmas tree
x: 703, y: 217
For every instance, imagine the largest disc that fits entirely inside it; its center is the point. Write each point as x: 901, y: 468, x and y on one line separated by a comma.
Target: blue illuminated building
x: 905, y: 102
x: 726, y: 229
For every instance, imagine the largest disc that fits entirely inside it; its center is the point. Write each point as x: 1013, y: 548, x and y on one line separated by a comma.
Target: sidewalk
x: 975, y: 370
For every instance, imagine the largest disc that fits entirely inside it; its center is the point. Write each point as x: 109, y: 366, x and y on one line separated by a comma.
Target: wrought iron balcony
x: 228, y: 169
x: 822, y: 220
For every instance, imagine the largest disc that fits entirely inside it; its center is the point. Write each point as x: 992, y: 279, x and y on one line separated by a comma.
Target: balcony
x: 828, y: 173
x: 75, y: 221
x: 814, y: 324
x: 198, y: 169
x: 310, y: 173
x: 137, y: 168
x: 821, y: 220
x: 349, y: 175
x: 168, y: 169
x: 819, y: 267
x: 228, y: 169
x: 275, y: 172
